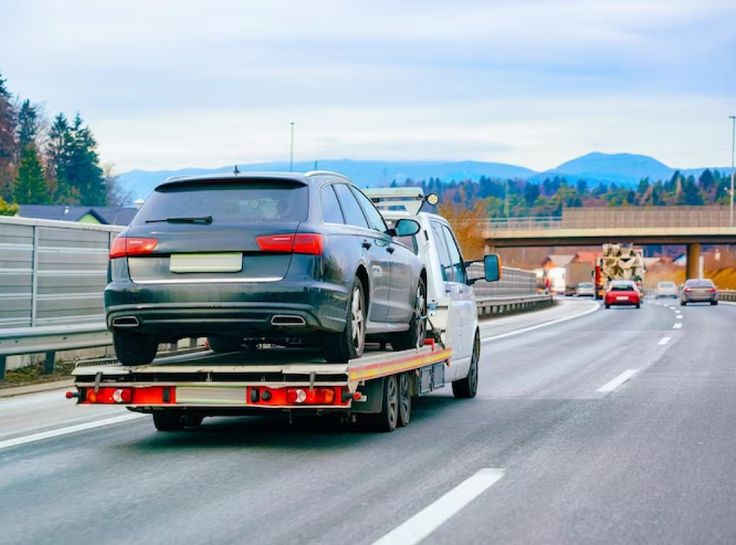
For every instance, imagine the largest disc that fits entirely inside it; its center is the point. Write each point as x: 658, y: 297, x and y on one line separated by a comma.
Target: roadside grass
x: 33, y: 374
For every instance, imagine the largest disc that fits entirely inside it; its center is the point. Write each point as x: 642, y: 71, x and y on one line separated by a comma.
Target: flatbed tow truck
x: 179, y: 391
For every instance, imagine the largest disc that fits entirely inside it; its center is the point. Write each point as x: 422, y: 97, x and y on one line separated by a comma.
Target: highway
x: 614, y: 426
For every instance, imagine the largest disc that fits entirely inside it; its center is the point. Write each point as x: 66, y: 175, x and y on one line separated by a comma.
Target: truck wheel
x: 225, y: 344
x: 388, y: 418
x: 417, y: 332
x: 467, y: 387
x: 349, y: 344
x: 134, y: 349
x: 404, y: 399
x: 168, y: 421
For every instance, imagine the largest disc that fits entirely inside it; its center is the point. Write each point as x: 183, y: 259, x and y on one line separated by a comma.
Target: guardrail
x: 727, y: 295
x: 52, y: 339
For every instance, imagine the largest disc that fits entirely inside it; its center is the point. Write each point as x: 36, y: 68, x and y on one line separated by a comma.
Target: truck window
x: 448, y: 273
x: 331, y: 212
x: 350, y: 207
x: 456, y: 259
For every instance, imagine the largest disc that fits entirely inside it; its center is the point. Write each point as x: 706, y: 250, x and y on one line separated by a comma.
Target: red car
x: 622, y: 292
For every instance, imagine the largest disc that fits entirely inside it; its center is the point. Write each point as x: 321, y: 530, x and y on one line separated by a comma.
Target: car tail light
x: 128, y: 246
x: 300, y: 243
x: 688, y: 289
x: 711, y: 290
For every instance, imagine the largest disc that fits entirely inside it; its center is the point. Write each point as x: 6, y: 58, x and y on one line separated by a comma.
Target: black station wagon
x: 248, y: 258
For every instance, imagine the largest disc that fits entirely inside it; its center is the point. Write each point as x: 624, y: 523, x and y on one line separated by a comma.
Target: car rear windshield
x: 699, y: 284
x: 585, y: 285
x: 666, y: 285
x: 227, y: 202
x: 622, y: 287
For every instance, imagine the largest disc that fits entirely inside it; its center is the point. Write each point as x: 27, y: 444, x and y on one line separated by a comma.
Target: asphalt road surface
x: 616, y: 426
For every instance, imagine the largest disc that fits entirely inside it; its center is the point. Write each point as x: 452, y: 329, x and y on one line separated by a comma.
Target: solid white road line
x: 436, y: 514
x: 611, y: 385
x: 678, y: 325
x: 16, y: 441
x: 663, y: 341
x: 544, y: 324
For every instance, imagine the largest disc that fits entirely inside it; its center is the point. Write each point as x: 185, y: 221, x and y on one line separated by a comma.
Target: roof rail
x: 325, y: 173
x: 409, y: 199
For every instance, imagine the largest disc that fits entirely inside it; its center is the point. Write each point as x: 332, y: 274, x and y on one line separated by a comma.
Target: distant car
x: 622, y: 292
x: 665, y: 289
x: 585, y: 289
x: 263, y: 257
x: 699, y: 290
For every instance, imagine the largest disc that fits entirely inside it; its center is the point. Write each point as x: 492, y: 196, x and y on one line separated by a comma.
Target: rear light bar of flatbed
x: 191, y: 396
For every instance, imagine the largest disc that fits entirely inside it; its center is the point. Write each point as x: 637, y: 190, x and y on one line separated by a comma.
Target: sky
x: 170, y: 84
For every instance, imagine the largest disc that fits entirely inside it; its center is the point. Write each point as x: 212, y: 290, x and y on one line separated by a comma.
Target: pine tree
x: 27, y: 124
x: 30, y: 183
x: 58, y: 151
x: 83, y: 171
x: 7, y: 142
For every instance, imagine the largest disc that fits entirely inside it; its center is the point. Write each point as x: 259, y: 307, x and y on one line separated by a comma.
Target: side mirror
x: 405, y: 228
x: 492, y: 267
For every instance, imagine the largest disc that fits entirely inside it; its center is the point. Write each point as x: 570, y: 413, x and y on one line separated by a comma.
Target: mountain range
x: 620, y: 168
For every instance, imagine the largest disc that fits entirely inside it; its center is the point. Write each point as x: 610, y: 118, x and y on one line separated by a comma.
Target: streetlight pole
x: 733, y: 139
x: 291, y: 153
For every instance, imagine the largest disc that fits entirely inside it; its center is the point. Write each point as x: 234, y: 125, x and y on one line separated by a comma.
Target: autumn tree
x: 468, y: 223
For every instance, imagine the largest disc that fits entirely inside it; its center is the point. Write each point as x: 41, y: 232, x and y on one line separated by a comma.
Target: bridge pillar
x: 693, y: 260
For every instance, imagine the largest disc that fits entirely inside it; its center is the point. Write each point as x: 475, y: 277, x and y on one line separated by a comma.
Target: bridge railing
x: 624, y: 217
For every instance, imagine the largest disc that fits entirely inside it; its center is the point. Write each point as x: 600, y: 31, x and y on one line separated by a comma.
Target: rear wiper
x: 184, y: 219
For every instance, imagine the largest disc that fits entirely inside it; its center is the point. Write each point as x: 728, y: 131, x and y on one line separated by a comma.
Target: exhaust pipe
x: 125, y: 321
x: 285, y: 320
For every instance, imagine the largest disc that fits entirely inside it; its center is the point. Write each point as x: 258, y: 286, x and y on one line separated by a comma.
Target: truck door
x: 453, y: 294
x: 464, y: 297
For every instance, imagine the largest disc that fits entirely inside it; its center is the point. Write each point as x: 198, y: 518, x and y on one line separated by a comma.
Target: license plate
x: 620, y: 298
x: 194, y: 263
x: 210, y: 395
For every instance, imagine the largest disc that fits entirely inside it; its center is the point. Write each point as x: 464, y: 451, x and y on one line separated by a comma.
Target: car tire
x: 349, y: 344
x: 133, y: 348
x: 467, y: 387
x: 225, y: 344
x: 713, y: 303
x: 608, y: 306
x: 417, y: 332
x: 638, y: 305
x: 168, y: 420
x: 404, y: 399
x: 683, y: 303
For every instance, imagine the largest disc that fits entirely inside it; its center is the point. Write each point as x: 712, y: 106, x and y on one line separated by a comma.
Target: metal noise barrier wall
x: 52, y: 272
x: 513, y: 282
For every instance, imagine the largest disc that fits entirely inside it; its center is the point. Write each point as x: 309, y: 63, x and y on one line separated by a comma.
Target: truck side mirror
x: 405, y: 227
x: 492, y: 267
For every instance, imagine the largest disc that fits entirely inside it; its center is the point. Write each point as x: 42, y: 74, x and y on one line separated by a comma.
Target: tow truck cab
x: 451, y: 305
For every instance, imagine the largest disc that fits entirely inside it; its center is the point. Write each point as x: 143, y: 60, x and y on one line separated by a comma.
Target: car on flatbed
x: 279, y: 258
x: 378, y: 387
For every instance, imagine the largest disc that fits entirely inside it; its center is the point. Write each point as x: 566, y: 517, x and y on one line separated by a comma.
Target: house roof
x: 587, y: 257
x: 108, y: 215
x: 559, y: 260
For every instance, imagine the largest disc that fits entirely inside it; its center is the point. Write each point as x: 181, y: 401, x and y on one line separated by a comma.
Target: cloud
x: 171, y: 83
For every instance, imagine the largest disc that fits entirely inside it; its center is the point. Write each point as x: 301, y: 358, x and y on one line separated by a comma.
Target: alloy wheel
x: 358, y: 320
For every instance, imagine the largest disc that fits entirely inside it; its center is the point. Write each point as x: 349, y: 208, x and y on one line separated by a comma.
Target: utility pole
x: 733, y: 138
x: 291, y: 149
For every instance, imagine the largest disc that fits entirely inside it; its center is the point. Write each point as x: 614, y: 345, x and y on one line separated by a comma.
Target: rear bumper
x: 623, y: 303
x: 700, y: 298
x: 188, y: 310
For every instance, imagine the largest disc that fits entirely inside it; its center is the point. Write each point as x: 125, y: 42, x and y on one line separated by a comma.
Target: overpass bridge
x: 682, y: 225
